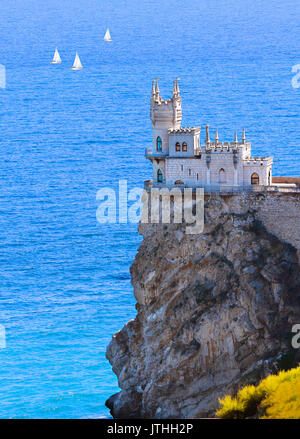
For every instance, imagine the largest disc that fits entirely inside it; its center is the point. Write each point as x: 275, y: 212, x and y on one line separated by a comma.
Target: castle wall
x: 185, y: 170
x: 160, y: 164
x: 261, y: 170
x: 163, y: 134
x: 191, y: 139
x: 223, y: 161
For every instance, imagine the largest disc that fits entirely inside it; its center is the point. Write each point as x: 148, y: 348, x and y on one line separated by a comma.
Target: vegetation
x: 275, y: 397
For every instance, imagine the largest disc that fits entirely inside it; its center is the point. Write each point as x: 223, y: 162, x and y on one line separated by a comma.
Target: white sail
x: 77, y: 63
x: 56, y: 58
x: 107, y: 36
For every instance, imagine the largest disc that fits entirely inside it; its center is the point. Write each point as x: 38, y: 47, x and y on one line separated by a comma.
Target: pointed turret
x: 153, y: 89
x: 216, y: 137
x: 157, y: 89
x: 177, y: 86
x: 207, y: 139
x: 244, y: 136
x: 165, y: 115
x: 174, y: 89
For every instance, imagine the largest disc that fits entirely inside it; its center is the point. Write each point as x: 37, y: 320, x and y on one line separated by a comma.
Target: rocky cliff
x: 214, y: 312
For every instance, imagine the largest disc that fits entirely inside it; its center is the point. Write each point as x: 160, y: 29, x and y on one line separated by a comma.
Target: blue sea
x: 64, y: 278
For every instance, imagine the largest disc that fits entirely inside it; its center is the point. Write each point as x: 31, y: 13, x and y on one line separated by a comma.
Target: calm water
x: 64, y: 279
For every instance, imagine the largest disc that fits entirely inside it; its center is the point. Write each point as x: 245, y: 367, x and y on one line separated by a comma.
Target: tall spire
x: 244, y: 136
x: 177, y: 86
x: 235, y: 138
x: 157, y: 89
x: 174, y: 88
x: 153, y: 88
x: 207, y: 140
x: 216, y: 137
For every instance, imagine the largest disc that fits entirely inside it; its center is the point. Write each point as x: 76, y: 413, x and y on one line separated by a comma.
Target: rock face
x: 214, y: 312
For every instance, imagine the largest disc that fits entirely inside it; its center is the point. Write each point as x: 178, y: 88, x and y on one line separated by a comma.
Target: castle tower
x: 165, y: 115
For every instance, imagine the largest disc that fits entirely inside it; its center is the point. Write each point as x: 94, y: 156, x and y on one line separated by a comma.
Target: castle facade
x: 178, y: 157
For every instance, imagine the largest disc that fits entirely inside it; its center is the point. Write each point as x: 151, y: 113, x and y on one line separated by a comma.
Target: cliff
x: 214, y: 310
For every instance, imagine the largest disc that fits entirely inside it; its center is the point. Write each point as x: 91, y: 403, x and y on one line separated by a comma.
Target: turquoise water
x: 64, y: 279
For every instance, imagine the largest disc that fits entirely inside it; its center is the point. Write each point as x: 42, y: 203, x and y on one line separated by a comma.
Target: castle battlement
x: 253, y: 161
x: 178, y: 158
x: 183, y: 130
x: 227, y: 146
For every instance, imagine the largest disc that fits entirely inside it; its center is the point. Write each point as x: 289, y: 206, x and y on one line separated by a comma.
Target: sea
x: 64, y: 278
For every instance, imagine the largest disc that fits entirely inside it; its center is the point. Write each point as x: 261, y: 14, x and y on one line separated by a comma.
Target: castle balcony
x: 149, y: 153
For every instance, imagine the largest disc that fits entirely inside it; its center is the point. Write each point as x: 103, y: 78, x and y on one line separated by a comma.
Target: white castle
x: 178, y: 158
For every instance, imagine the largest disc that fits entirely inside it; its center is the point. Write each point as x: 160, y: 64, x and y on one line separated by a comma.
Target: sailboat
x: 77, y: 63
x: 107, y: 36
x: 56, y: 58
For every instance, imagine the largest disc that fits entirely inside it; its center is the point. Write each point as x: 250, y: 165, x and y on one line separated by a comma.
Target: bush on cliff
x: 275, y: 397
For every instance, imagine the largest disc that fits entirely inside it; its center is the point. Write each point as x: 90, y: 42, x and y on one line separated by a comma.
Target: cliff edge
x: 214, y: 312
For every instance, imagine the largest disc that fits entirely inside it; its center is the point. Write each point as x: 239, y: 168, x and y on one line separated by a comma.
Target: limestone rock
x: 215, y: 312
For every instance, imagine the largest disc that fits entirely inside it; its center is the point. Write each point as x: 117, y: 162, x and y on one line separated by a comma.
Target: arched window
x: 158, y: 144
x: 177, y: 146
x: 222, y: 176
x: 159, y: 176
x: 254, y: 178
x: 184, y: 146
x: 270, y: 178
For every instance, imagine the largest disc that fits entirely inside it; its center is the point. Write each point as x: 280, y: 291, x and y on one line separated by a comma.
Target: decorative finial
x: 244, y: 136
x: 174, y: 88
x: 157, y: 88
x: 207, y: 140
x: 216, y: 137
x: 177, y: 86
x: 153, y: 88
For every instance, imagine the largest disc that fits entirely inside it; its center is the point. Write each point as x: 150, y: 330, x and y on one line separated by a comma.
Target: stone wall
x: 177, y: 168
x: 279, y: 212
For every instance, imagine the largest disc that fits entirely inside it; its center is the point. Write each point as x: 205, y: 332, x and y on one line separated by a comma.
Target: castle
x: 178, y: 158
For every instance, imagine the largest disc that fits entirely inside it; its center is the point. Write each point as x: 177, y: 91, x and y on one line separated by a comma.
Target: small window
x: 254, y: 178
x: 159, y: 176
x: 190, y: 172
x: 158, y: 144
x: 177, y: 146
x: 197, y: 176
x: 182, y: 168
x: 222, y: 176
x: 184, y: 146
